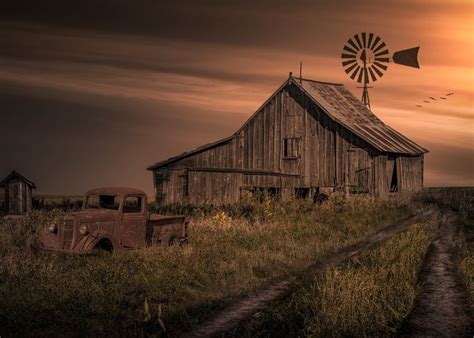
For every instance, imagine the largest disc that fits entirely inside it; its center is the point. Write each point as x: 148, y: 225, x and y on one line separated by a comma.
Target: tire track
x: 229, y: 318
x: 441, y: 309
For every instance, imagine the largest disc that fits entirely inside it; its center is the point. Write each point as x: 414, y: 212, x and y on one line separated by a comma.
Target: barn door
x: 358, y: 171
x: 392, y: 174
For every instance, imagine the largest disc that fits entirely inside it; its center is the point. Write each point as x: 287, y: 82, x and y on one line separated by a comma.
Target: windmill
x: 365, y: 58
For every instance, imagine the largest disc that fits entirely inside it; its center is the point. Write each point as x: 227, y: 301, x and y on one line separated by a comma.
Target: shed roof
x: 15, y: 174
x: 191, y: 152
x: 341, y: 106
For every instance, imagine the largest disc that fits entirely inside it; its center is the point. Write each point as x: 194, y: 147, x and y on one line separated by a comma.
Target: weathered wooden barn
x: 308, y: 137
x: 18, y: 193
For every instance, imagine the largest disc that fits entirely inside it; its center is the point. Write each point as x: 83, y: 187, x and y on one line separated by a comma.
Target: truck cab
x: 113, y: 219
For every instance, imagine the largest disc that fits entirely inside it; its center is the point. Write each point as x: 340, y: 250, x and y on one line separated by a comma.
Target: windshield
x: 111, y: 202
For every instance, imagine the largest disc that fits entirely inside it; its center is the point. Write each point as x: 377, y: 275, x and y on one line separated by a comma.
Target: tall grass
x: 229, y: 254
x: 370, y: 295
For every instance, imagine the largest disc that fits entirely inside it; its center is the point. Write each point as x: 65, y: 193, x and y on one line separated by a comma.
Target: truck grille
x: 66, y: 232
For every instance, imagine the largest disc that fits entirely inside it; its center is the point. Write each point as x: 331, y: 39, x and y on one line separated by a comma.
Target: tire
x: 104, y: 245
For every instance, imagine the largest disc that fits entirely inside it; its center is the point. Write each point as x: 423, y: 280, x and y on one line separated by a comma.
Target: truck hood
x: 93, y: 215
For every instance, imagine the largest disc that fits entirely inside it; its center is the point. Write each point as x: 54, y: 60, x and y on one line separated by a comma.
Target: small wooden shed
x: 18, y: 193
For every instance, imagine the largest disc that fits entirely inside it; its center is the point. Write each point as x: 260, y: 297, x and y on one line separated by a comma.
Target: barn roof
x: 348, y: 111
x: 14, y: 174
x: 191, y: 152
x: 341, y: 106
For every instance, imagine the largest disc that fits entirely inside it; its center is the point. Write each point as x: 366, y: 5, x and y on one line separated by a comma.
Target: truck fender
x: 91, y: 240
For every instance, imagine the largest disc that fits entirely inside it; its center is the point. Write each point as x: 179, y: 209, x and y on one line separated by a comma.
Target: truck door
x: 133, y: 222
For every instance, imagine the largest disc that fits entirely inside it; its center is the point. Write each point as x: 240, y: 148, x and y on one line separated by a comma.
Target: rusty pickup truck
x: 113, y: 219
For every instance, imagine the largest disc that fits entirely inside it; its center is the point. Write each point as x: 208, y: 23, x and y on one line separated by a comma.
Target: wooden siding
x: 213, y: 187
x: 18, y: 197
x: 327, y: 155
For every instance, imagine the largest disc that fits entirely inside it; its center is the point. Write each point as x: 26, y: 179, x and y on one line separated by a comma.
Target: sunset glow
x: 78, y: 93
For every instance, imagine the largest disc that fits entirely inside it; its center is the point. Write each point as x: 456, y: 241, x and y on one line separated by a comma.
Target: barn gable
x: 307, y: 136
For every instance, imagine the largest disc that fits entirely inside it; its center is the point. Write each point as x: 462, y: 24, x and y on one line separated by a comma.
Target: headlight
x: 53, y: 227
x: 83, y: 230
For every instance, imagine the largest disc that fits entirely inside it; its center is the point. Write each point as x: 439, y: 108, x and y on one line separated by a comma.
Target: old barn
x: 308, y: 137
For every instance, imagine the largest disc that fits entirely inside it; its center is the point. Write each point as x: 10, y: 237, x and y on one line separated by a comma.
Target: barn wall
x: 411, y: 173
x: 213, y: 187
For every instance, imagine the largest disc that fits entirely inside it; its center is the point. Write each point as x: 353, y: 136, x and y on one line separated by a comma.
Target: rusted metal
x: 114, y: 219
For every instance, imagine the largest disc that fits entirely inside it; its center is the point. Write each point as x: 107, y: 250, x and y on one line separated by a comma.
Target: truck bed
x: 157, y: 219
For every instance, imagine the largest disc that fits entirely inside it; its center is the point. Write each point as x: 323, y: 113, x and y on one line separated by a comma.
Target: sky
x: 92, y: 92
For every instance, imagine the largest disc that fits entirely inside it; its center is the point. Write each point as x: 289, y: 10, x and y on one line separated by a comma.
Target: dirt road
x: 230, y: 317
x: 441, y: 309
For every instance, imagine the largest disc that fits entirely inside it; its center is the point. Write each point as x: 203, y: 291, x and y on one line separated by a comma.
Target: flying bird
x: 432, y: 98
x: 426, y: 101
x: 442, y: 98
x: 419, y: 106
x: 449, y: 94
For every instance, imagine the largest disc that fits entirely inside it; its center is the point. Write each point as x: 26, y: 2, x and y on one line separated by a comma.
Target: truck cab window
x: 132, y: 204
x: 111, y: 202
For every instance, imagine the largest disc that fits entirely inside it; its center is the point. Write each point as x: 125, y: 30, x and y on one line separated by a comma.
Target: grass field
x: 232, y: 251
x: 370, y: 295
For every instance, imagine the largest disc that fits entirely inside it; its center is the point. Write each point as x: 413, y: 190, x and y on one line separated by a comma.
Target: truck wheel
x: 104, y: 245
x: 169, y: 239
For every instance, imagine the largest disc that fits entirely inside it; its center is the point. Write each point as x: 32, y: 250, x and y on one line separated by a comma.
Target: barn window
x: 291, y: 147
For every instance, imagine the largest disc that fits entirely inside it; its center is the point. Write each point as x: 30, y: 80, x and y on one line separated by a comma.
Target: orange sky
x: 93, y: 101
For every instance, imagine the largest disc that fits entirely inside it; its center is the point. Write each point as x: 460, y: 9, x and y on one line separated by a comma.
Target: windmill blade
x: 356, y: 37
x: 347, y: 49
x: 384, y: 52
x: 372, y: 75
x: 348, y: 62
x: 379, y: 73
x: 353, y: 44
x: 364, y: 41
x: 355, y: 72
x: 348, y: 70
x: 378, y: 64
x: 359, y: 79
x: 382, y: 45
x: 407, y: 57
x: 369, y: 43
x: 376, y: 41
x: 347, y: 56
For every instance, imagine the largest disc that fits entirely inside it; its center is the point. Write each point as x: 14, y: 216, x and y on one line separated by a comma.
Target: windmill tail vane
x: 365, y: 58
